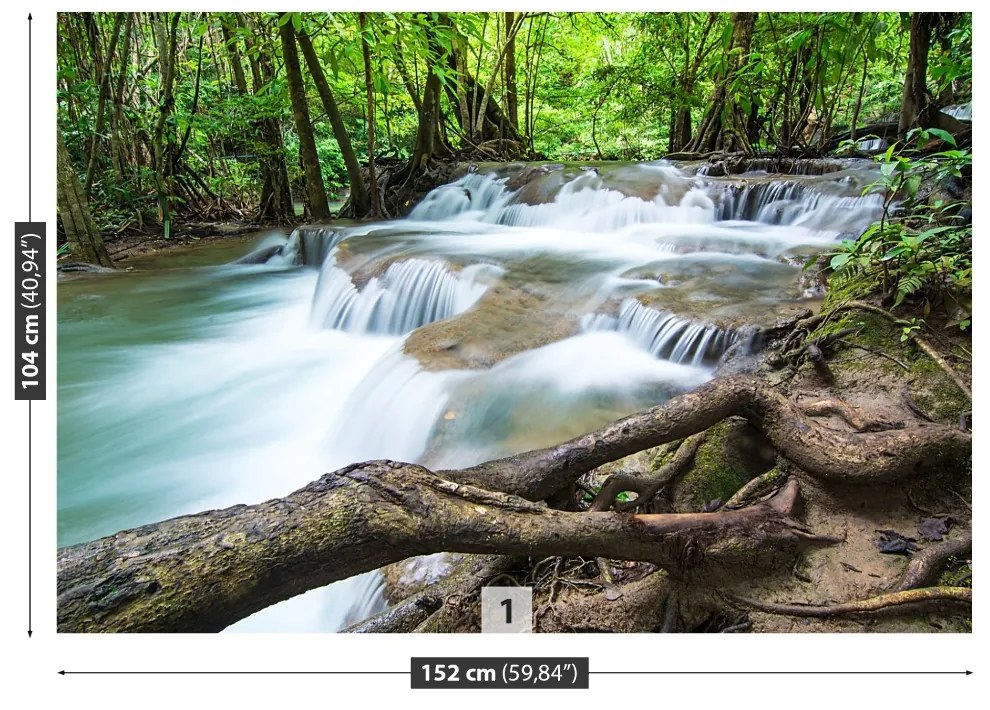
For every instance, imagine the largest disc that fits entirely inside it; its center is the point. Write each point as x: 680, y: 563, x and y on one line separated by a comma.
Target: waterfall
x: 472, y: 193
x: 872, y: 145
x: 306, y: 246
x: 666, y: 335
x: 964, y: 112
x: 797, y: 204
x: 408, y: 295
x: 823, y: 196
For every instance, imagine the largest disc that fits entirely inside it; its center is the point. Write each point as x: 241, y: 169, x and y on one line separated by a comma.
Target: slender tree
x: 275, y: 203
x: 511, y: 89
x: 165, y: 32
x: 85, y: 242
x: 315, y: 190
x: 101, y: 102
x: 359, y: 195
x: 375, y: 207
x: 724, y: 124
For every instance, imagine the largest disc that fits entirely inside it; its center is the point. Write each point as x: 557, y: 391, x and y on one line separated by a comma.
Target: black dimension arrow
x: 233, y: 672
x: 780, y: 672
x: 590, y: 672
x: 29, y: 117
x: 30, y: 547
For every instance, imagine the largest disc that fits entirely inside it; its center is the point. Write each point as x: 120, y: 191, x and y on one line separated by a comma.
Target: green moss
x: 660, y: 456
x: 846, y: 289
x: 957, y: 574
x: 711, y: 476
x: 931, y: 388
x: 934, y: 391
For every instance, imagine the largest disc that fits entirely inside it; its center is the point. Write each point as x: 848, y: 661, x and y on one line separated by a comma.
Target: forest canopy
x: 262, y: 116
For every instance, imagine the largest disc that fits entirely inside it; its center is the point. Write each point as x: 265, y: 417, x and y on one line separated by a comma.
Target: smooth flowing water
x: 515, y: 308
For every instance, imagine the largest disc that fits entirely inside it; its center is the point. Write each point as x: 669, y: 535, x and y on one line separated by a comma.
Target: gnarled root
x: 955, y: 595
x: 924, y: 567
x: 820, y: 452
x: 646, y: 487
x: 203, y: 572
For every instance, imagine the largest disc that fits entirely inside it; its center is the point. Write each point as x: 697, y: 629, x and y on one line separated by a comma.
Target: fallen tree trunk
x: 203, y: 572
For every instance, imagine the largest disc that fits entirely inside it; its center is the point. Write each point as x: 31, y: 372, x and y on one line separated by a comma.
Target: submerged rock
x: 506, y: 321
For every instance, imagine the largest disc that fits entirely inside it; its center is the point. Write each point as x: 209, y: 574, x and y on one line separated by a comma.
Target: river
x: 515, y: 308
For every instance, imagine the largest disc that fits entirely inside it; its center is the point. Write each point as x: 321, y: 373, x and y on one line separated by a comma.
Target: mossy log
x: 203, y: 572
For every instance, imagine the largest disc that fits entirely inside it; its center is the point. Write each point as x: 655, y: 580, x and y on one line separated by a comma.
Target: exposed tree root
x: 755, y: 487
x: 646, y: 487
x: 203, y: 572
x: 836, y: 407
x: 817, y: 357
x: 457, y: 598
x: 960, y: 595
x: 917, y: 339
x: 924, y: 567
x: 643, y: 605
x: 820, y: 452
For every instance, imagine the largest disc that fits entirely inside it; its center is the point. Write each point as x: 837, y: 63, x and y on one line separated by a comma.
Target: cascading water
x: 515, y: 308
x: 665, y: 335
x: 408, y: 295
x: 964, y: 112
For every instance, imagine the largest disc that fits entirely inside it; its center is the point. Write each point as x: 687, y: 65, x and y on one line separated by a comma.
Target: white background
x: 30, y: 666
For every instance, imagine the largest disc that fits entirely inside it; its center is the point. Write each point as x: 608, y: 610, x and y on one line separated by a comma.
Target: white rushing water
x: 408, y: 295
x: 594, y: 293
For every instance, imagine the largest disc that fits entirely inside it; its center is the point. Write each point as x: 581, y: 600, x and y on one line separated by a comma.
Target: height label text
x: 29, y: 310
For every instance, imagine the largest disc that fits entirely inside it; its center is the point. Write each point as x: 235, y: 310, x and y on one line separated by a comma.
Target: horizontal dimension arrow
x: 781, y: 672
x: 233, y: 672
x: 591, y: 672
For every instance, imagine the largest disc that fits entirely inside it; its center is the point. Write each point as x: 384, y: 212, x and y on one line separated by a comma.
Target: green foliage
x: 921, y: 249
x: 590, y: 86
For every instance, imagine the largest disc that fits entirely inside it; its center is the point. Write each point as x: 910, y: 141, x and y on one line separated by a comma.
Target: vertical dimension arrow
x: 29, y: 318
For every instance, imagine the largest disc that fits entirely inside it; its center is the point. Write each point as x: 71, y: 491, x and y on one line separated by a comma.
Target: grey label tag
x: 506, y: 610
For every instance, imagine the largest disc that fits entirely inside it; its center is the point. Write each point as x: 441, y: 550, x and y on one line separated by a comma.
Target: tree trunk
x: 117, y: 120
x: 166, y: 40
x: 233, y: 56
x: 724, y: 125
x: 375, y: 207
x: 275, y: 203
x: 429, y: 118
x: 916, y: 109
x: 511, y: 89
x: 914, y: 101
x: 73, y: 209
x: 199, y: 573
x: 316, y: 193
x: 472, y: 98
x: 359, y: 195
x: 101, y: 101
x: 428, y: 138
